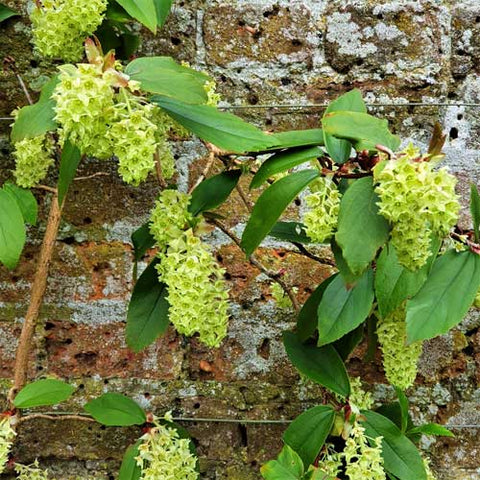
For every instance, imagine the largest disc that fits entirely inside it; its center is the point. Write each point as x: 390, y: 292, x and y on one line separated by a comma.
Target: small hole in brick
x: 296, y: 43
x: 264, y: 349
x: 459, y: 116
x: 477, y: 19
x: 68, y: 341
x: 106, y: 382
x: 33, y: 63
x: 219, y: 257
x: 453, y: 133
x: 196, y: 406
x: 69, y: 240
x: 39, y: 368
x: 241, y: 23
x: 252, y: 99
x: 49, y: 326
x: 469, y: 350
x: 175, y: 41
x: 243, y: 435
x: 285, y: 81
x: 103, y: 427
x: 380, y: 16
x: 359, y: 62
x: 81, y: 386
x: 227, y: 276
x: 87, y: 221
x: 223, y: 78
x: 146, y: 395
x: 297, y: 202
x: 268, y: 121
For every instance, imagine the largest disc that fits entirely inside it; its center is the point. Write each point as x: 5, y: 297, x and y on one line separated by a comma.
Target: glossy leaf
x: 142, y: 241
x: 308, y: 432
x: 271, y: 204
x: 164, y: 76
x: 308, y: 316
x: 401, y: 457
x: 393, y: 411
x: 345, y: 345
x: 475, y: 210
x: 42, y: 393
x: 348, y: 276
x: 163, y: 8
x: 224, y: 130
x: 213, y: 191
x: 299, y: 138
x: 142, y: 10
x: 115, y: 410
x: 290, y: 232
x: 288, y: 466
x: 361, y: 229
x: 69, y: 161
x: 37, y: 119
x: 343, y: 309
x: 281, y: 162
x: 6, y: 13
x: 129, y: 470
x: 445, y: 297
x: 431, y: 429
x: 147, y: 316
x: 323, y: 365
x: 25, y: 200
x: 12, y: 230
x: 403, y: 402
x: 364, y: 130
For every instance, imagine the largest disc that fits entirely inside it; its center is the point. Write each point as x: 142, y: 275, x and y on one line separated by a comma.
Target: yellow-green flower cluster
x: 7, y: 434
x: 363, y: 461
x: 170, y: 217
x: 61, y: 26
x: 165, y: 456
x: 428, y: 470
x: 360, y: 398
x: 419, y: 201
x: 30, y: 472
x: 323, y: 204
x: 399, y: 359
x: 33, y: 157
x: 476, y: 302
x: 330, y: 463
x: 196, y: 290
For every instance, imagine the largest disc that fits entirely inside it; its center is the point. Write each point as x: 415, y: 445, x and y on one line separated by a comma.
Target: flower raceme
x: 7, y: 434
x: 30, y: 472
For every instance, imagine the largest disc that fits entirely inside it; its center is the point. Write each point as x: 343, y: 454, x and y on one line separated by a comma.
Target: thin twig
x: 201, y: 178
x: 306, y: 253
x: 46, y: 188
x: 93, y: 175
x: 158, y: 170
x: 244, y: 198
x: 55, y: 417
x: 275, y: 276
x: 24, y: 88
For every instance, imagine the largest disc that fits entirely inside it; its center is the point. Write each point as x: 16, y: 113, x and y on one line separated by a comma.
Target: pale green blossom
x: 30, y: 472
x: 7, y: 434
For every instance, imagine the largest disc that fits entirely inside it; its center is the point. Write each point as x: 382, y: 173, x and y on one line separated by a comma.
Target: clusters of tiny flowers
x: 30, y: 472
x: 426, y: 464
x: 358, y: 397
x: 165, y: 456
x: 196, y: 290
x: 61, y: 26
x: 7, y: 435
x: 169, y: 217
x: 330, y: 463
x: 399, y: 359
x: 33, y: 157
x: 323, y: 207
x: 418, y: 201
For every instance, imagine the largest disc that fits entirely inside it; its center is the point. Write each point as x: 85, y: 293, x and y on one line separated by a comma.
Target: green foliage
x: 403, y: 402
x: 142, y: 241
x: 6, y: 13
x: 147, y: 316
x: 69, y: 161
x: 359, y: 219
x: 271, y: 205
x: 308, y: 432
x: 430, y: 429
x: 445, y: 297
x: 299, y: 138
x: 42, y: 393
x: 25, y: 200
x: 288, y: 466
x: 163, y: 8
x: 12, y: 230
x: 323, y: 365
x: 290, y: 232
x: 142, y: 10
x: 475, y: 210
x: 130, y: 470
x: 115, y: 410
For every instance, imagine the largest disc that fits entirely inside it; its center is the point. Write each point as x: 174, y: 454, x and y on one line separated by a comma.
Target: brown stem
x: 308, y: 254
x: 244, y: 198
x: 36, y: 299
x: 158, y: 170
x: 276, y: 277
x: 201, y: 178
x: 55, y: 417
x: 93, y: 175
x: 24, y: 88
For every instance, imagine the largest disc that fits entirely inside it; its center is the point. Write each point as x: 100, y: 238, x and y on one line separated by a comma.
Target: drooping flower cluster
x: 30, y: 472
x: 7, y: 434
x: 196, y: 290
x: 61, y: 26
x: 418, y: 201
x: 399, y: 359
x: 323, y: 204
x: 165, y: 456
x: 33, y: 157
x: 360, y: 398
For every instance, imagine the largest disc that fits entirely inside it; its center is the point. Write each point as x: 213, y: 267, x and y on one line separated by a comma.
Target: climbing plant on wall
x: 404, y: 271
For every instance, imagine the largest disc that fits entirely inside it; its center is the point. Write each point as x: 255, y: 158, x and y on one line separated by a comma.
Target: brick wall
x: 260, y: 52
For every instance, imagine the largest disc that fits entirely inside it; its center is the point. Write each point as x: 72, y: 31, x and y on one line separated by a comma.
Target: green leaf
x: 142, y: 241
x: 25, y: 200
x: 164, y: 76
x: 69, y: 161
x: 308, y: 432
x: 431, y: 429
x: 6, y: 12
x: 445, y: 297
x: 348, y: 276
x: 361, y: 229
x: 393, y: 411
x: 288, y: 466
x: 290, y: 232
x: 129, y: 470
x: 115, y: 410
x: 213, y: 191
x: 147, y: 316
x: 42, y: 393
x: 343, y: 309
x: 12, y: 230
x: 363, y: 129
x: 308, y: 316
x: 142, y: 10
x: 299, y: 138
x: 401, y: 457
x: 117, y: 13
x: 37, y: 119
x: 224, y: 130
x: 271, y: 204
x: 475, y: 210
x: 403, y: 402
x: 339, y: 149
x: 345, y: 345
x: 163, y: 8
x: 323, y: 365
x: 280, y: 162
x: 393, y: 283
